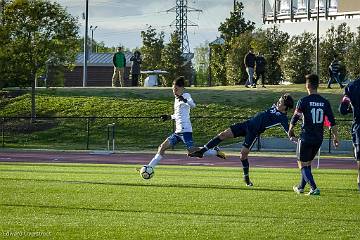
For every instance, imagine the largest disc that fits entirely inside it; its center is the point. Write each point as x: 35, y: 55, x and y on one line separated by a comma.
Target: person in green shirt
x: 119, y: 62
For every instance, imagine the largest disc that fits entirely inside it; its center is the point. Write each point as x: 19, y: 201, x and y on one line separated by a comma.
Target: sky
x: 119, y: 22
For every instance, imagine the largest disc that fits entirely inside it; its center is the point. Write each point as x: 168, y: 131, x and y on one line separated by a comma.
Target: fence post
x: 173, y: 130
x: 329, y: 140
x: 113, y: 136
x: 108, y: 137
x: 87, y: 133
x: 258, y: 143
x: 3, y: 132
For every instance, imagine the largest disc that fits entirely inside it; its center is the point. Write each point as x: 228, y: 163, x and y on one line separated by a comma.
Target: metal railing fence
x: 119, y: 133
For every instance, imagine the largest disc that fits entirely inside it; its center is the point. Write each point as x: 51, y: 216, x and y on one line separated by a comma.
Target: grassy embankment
x: 221, y: 106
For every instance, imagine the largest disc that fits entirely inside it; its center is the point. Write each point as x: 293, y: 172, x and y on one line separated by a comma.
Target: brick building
x: 100, y: 70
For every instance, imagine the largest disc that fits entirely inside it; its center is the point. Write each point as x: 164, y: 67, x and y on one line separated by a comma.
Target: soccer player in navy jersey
x: 251, y: 129
x: 312, y: 109
x: 351, y: 104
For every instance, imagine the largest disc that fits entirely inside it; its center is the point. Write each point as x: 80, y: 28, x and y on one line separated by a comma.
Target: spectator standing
x: 135, y: 68
x: 334, y: 72
x: 119, y: 62
x: 260, y: 64
x: 249, y: 62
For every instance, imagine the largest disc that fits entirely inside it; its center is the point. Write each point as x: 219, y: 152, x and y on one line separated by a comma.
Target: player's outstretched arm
x: 291, y: 134
x: 165, y: 117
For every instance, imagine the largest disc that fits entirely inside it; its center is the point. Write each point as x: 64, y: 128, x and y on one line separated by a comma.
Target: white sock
x: 210, y: 152
x: 156, y: 159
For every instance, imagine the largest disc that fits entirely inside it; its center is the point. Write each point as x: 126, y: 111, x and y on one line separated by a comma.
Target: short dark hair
x: 288, y: 101
x: 313, y: 80
x: 179, y: 81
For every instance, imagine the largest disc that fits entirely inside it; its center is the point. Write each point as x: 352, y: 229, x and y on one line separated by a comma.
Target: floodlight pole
x: 85, y: 44
x: 318, y: 38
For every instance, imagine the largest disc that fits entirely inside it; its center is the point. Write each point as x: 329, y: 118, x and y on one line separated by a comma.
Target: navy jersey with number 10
x: 313, y: 109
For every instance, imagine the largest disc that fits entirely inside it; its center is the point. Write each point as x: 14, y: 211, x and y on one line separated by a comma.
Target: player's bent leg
x: 246, y: 166
x: 160, y: 154
x: 212, y: 143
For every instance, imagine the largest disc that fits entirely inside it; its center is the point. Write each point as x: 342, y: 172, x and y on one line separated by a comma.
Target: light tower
x: 182, y: 23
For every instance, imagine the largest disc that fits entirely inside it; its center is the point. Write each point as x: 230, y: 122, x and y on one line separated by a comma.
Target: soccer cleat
x: 314, y: 192
x: 298, y: 190
x: 247, y: 181
x: 196, y: 153
x: 219, y: 153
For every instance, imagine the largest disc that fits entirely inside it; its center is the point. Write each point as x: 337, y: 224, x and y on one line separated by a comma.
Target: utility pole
x: 318, y: 38
x: 86, y: 49
x: 92, y: 29
x: 182, y: 23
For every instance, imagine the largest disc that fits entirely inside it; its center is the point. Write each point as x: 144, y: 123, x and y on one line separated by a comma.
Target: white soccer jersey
x: 182, y: 114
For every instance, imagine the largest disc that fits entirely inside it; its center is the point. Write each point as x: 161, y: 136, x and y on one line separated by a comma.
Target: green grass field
x: 83, y: 201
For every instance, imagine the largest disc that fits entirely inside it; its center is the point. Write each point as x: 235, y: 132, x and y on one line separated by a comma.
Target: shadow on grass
x: 239, y: 216
x: 189, y: 186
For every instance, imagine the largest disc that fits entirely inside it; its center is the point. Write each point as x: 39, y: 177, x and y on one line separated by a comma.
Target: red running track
x: 169, y: 159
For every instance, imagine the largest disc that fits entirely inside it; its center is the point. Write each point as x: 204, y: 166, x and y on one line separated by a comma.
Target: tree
x: 298, y: 59
x: 172, y: 60
x: 153, y: 44
x: 34, y: 32
x: 271, y: 43
x: 236, y: 23
x: 217, y: 64
x: 352, y: 57
x: 235, y: 68
x: 202, y: 63
x: 336, y: 42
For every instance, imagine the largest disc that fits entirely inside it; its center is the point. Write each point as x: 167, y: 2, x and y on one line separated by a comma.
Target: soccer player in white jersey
x: 183, y: 132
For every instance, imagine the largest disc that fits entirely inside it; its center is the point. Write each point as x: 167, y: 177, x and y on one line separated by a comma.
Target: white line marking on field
x: 269, y: 166
x: 200, y: 164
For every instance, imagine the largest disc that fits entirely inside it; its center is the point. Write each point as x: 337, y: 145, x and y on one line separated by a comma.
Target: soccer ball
x: 147, y: 172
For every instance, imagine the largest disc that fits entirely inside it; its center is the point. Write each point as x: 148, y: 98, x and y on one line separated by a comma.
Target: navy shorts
x: 185, y: 137
x: 355, y: 132
x: 306, y: 152
x: 241, y: 129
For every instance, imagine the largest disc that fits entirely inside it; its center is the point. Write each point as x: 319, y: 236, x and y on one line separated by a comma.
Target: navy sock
x: 359, y: 185
x: 211, y: 144
x: 302, y: 181
x: 308, y: 176
x: 245, y: 164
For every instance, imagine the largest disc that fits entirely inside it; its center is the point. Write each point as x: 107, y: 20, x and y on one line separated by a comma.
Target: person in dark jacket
x: 249, y: 62
x: 334, y: 72
x: 119, y: 62
x: 350, y: 103
x: 260, y: 64
x: 135, y: 68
